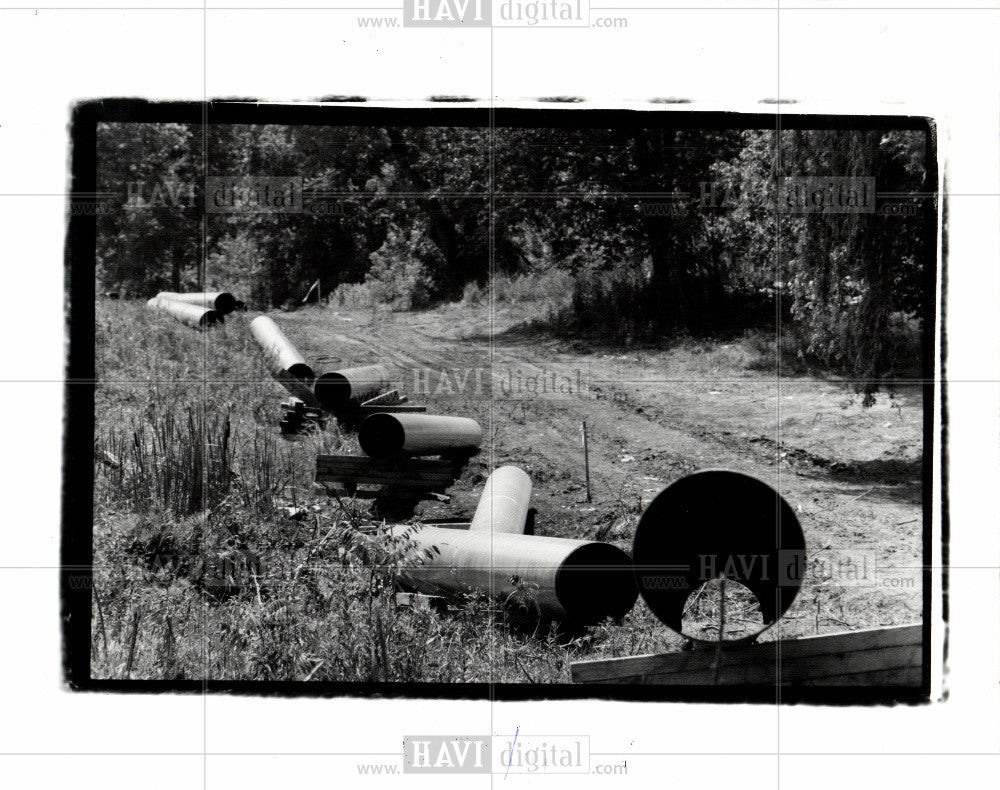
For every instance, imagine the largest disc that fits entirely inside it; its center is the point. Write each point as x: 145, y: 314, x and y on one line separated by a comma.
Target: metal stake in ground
x: 586, y: 460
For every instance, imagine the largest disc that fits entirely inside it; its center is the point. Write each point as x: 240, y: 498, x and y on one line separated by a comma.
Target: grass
x: 216, y: 556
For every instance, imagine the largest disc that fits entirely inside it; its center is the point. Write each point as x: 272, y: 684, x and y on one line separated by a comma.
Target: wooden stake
x: 722, y: 631
x: 131, y: 648
x: 586, y: 460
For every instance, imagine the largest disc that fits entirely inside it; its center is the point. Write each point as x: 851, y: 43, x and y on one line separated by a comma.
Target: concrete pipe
x: 503, y: 507
x: 190, y: 314
x: 339, y: 388
x: 577, y: 581
x: 386, y: 435
x: 222, y: 302
x: 281, y: 355
x: 712, y: 524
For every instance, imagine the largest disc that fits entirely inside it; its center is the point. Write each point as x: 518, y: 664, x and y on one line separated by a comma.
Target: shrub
x: 606, y: 305
x: 354, y: 295
x: 473, y: 294
x: 401, y: 270
x: 551, y: 286
x: 239, y: 265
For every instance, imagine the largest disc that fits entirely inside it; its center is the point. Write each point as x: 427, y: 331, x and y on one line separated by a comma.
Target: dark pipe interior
x: 225, y: 303
x: 381, y: 435
x: 302, y: 371
x: 595, y: 582
x: 210, y: 317
x: 333, y: 390
x: 716, y: 523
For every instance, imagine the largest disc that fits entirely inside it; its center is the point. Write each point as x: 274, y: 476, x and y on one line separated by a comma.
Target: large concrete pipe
x: 190, y: 314
x: 222, y: 302
x: 386, y: 435
x: 718, y: 523
x: 578, y: 581
x: 503, y: 507
x: 281, y: 355
x: 339, y: 388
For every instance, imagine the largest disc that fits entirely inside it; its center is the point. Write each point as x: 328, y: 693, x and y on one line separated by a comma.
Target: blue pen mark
x: 516, y: 731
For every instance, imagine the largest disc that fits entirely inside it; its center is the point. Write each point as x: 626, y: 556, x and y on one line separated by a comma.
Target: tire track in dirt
x: 544, y: 431
x: 621, y: 423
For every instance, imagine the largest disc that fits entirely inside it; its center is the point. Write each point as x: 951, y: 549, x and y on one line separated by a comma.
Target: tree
x: 153, y: 242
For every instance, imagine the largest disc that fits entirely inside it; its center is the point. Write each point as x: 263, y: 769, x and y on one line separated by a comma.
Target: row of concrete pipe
x: 198, y: 310
x: 710, y: 514
x: 380, y: 435
x: 573, y: 580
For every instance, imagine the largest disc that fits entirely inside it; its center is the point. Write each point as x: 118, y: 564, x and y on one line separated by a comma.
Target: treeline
x: 662, y: 229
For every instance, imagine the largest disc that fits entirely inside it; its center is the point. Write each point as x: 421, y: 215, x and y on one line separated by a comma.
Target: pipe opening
x: 333, y: 391
x: 380, y: 435
x: 302, y: 371
x: 718, y: 523
x: 595, y: 582
x: 210, y: 317
x: 225, y: 303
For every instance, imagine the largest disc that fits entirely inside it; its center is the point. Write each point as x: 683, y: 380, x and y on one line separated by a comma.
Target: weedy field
x: 217, y: 556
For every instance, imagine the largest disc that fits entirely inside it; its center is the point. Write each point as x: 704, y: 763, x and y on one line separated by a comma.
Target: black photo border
x: 76, y: 550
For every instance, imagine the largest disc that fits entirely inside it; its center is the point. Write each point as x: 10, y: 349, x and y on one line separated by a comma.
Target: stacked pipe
x: 577, y: 581
x: 222, y: 302
x: 333, y: 390
x: 703, y: 521
x: 382, y: 435
x: 338, y: 389
x: 194, y: 315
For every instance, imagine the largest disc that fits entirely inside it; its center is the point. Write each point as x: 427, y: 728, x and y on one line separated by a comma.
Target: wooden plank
x: 364, y: 490
x: 793, y: 653
x: 345, y: 464
x: 809, y: 659
x: 385, y: 399
x: 794, y: 670
x: 398, y: 472
x: 901, y: 676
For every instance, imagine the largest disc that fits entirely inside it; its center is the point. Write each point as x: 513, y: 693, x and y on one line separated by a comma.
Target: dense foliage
x: 661, y: 229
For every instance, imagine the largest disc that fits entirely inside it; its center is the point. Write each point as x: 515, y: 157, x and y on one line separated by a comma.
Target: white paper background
x: 847, y: 58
